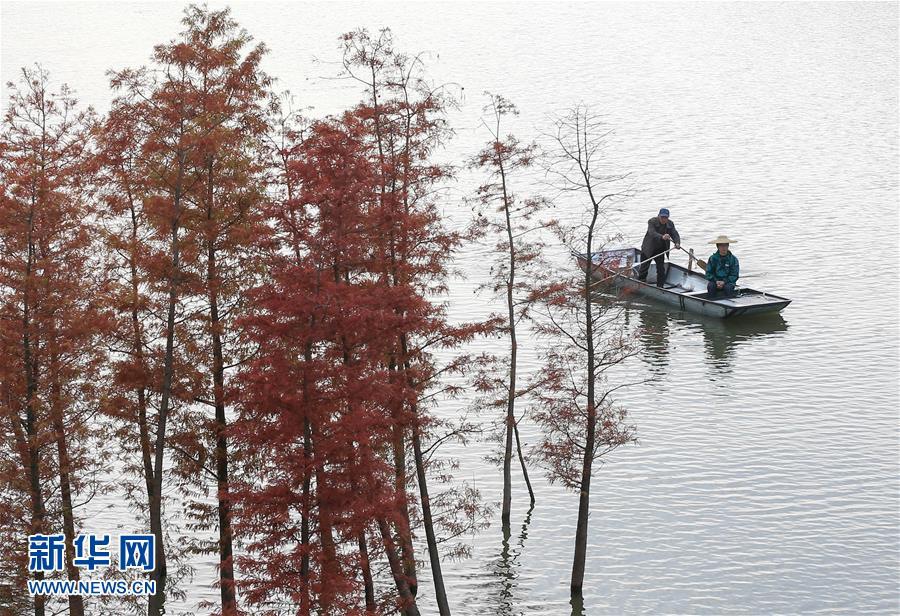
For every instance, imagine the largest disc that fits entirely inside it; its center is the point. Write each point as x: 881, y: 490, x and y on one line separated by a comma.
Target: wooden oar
x: 699, y: 261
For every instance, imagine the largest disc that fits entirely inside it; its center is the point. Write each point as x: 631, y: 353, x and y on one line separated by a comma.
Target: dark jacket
x: 653, y: 241
x: 723, y: 268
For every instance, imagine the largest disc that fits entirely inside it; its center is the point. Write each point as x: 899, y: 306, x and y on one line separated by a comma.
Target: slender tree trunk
x: 138, y: 350
x: 422, y: 480
x: 583, y: 508
x: 369, y: 585
x: 38, y: 513
x: 330, y: 564
x: 76, y: 602
x: 304, y: 519
x: 435, y: 558
x: 331, y: 568
x: 404, y: 531
x: 226, y: 564
x: 156, y: 605
x: 34, y: 467
x: 306, y: 495
x: 522, y: 463
x: 409, y: 606
x: 513, y: 350
x: 588, y: 462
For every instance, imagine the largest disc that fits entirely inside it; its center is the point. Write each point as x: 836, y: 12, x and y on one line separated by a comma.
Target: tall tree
x: 130, y: 255
x: 136, y: 262
x: 367, y: 60
x: 515, y: 223
x: 51, y: 323
x: 226, y: 213
x: 575, y: 399
x: 318, y: 389
x: 167, y: 105
x: 406, y: 119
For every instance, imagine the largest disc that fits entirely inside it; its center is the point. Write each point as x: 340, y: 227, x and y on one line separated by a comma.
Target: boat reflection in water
x: 721, y: 337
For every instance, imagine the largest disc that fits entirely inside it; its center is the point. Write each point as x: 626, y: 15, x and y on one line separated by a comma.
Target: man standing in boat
x: 660, y: 230
x: 722, y: 269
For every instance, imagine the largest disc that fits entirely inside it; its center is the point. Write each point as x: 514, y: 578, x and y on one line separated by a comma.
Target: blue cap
x: 664, y: 212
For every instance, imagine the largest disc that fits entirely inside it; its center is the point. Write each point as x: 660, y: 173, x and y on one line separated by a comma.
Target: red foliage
x: 50, y: 318
x: 344, y: 328
x: 324, y: 328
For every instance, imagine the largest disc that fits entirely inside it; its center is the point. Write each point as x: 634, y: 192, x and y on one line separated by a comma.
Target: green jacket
x: 722, y: 268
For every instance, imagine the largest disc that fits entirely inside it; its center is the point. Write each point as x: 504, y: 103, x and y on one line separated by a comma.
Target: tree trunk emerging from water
x: 515, y: 273
x: 591, y: 336
x: 440, y: 594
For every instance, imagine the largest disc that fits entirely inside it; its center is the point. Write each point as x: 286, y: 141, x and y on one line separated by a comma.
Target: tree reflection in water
x: 506, y: 568
x: 577, y: 603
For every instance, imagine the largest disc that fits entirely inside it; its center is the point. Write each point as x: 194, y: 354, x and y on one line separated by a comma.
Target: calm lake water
x: 766, y: 478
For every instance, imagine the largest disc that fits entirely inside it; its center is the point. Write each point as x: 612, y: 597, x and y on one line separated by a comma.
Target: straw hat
x: 723, y: 239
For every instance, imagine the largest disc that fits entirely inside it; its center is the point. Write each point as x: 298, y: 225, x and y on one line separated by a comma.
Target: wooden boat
x: 683, y: 288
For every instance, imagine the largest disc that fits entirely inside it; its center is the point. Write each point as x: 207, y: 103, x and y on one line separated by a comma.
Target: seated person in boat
x: 660, y: 230
x: 722, y: 269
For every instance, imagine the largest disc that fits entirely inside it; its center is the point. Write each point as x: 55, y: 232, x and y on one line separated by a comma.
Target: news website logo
x: 46, y: 554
